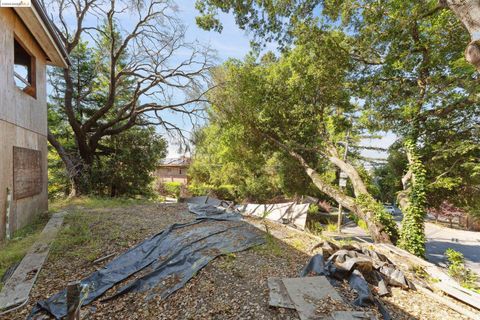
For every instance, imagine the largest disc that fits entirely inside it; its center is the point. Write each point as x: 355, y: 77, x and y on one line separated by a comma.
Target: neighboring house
x: 173, y: 170
x: 28, y: 43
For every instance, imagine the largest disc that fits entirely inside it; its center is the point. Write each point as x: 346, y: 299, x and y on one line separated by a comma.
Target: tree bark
x: 407, y: 179
x: 468, y: 12
x: 352, y: 173
x: 376, y: 230
x: 73, y: 166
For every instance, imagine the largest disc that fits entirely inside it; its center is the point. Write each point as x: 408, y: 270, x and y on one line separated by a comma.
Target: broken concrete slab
x: 306, y: 293
x: 278, y: 294
x: 18, y: 286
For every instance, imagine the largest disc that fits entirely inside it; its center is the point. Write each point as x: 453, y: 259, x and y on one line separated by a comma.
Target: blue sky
x: 231, y: 43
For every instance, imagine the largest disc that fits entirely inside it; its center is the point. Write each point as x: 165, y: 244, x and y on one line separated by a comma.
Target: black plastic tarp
x: 205, y: 206
x: 169, y: 259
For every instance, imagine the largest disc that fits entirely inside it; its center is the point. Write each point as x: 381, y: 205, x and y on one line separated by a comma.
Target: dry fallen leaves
x: 230, y: 287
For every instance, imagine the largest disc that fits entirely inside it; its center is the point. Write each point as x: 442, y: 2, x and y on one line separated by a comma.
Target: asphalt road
x: 439, y: 239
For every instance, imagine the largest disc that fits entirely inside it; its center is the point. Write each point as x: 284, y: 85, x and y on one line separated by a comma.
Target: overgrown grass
x: 14, y: 250
x: 84, y: 231
x: 76, y: 238
x: 95, y: 202
x: 299, y: 245
x: 271, y: 245
x: 344, y: 242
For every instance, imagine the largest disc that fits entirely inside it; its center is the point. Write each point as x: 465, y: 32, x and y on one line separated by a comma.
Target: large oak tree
x: 131, y: 65
x: 300, y: 105
x: 410, y: 71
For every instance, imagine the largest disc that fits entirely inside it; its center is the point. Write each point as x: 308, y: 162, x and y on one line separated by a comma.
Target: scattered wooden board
x: 446, y: 284
x: 306, y: 293
x: 18, y: 286
x: 278, y: 294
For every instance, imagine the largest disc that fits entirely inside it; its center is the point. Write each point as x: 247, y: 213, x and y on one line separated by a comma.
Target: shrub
x: 225, y: 192
x: 332, y: 227
x: 362, y: 224
x: 199, y: 189
x: 458, y: 271
x: 313, y: 208
x: 316, y: 228
x: 173, y: 189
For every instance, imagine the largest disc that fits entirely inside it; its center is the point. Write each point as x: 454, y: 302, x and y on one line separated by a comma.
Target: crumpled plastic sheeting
x: 316, y: 266
x: 205, y: 206
x: 207, y: 210
x: 360, y: 285
x: 172, y: 257
x: 353, y: 263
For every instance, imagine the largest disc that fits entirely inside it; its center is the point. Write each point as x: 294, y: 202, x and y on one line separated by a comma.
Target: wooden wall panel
x: 23, y: 123
x: 27, y: 172
x: 16, y: 106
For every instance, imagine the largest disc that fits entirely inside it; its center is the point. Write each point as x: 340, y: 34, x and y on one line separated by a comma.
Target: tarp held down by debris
x: 291, y: 213
x: 207, y: 210
x: 209, y: 201
x: 177, y: 253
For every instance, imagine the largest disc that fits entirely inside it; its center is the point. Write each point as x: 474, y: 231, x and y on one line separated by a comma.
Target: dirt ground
x: 230, y: 287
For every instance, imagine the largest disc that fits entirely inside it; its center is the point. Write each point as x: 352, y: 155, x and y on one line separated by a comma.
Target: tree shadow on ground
x: 436, y: 250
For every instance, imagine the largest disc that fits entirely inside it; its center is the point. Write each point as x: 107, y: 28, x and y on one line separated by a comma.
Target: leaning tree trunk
x: 376, y: 229
x: 363, y: 209
x: 366, y: 205
x: 468, y: 12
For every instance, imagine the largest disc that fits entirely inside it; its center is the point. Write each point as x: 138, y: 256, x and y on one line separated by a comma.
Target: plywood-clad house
x: 28, y: 43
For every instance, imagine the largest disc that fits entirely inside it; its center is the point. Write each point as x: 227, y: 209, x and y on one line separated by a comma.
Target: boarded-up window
x: 27, y: 172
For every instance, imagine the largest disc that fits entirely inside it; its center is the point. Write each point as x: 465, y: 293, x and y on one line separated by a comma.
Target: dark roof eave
x: 48, y: 23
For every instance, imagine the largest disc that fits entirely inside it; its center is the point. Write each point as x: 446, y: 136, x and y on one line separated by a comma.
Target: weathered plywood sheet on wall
x: 27, y: 172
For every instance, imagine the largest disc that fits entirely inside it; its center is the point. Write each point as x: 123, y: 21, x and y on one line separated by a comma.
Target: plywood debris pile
x: 312, y: 297
x: 350, y: 263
